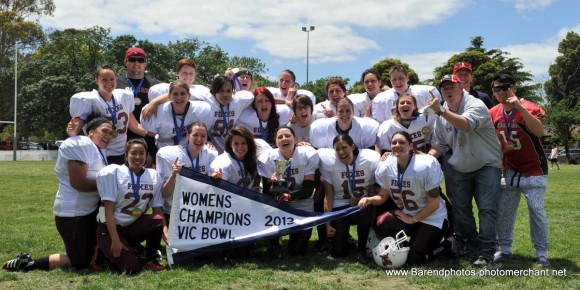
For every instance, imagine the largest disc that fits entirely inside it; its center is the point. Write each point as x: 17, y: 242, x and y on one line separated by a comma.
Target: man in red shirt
x: 525, y: 167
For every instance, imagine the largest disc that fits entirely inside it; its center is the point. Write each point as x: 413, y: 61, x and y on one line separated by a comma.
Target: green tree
x: 18, y: 25
x: 486, y: 63
x: 385, y: 65
x: 563, y: 90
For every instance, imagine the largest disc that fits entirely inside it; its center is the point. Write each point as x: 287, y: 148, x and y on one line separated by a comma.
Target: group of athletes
x: 376, y: 150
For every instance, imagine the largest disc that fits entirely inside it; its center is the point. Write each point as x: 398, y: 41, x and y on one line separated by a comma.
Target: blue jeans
x: 483, y: 185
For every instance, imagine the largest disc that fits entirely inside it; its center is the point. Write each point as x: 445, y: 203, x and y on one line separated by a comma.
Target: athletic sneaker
x: 482, y: 262
x: 498, y: 256
x: 153, y: 266
x: 543, y: 261
x: 19, y: 263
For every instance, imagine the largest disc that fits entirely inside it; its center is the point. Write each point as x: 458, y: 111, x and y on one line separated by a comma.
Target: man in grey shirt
x: 464, y: 126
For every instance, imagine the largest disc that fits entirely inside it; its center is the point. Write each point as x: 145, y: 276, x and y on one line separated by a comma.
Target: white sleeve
x: 157, y: 197
x: 313, y: 161
x: 80, y: 106
x: 107, y: 183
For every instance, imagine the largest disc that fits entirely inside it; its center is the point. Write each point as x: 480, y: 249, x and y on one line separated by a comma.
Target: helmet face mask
x: 390, y: 253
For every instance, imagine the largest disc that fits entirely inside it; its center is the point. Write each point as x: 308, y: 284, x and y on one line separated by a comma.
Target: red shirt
x: 527, y: 155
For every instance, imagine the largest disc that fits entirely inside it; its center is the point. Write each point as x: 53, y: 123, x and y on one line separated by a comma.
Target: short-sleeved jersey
x: 304, y: 162
x: 278, y: 94
x: 384, y: 103
x: 164, y: 124
x: 198, y: 92
x: 361, y: 103
x: 234, y: 171
x: 416, y: 129
x: 363, y: 131
x: 69, y: 202
x: 339, y: 174
x: 87, y: 104
x: 223, y: 118
x: 527, y: 155
x: 167, y: 155
x: 249, y: 120
x: 115, y: 184
x: 421, y: 175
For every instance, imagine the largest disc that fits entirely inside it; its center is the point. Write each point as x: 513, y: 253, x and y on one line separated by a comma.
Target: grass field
x: 27, y: 190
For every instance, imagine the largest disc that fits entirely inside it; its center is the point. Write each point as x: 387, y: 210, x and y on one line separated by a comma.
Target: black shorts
x: 78, y: 235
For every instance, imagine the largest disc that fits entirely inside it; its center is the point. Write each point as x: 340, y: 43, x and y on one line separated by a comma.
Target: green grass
x: 27, y: 191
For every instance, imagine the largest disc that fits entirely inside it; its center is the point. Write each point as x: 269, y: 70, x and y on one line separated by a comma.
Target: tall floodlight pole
x: 307, y: 30
x: 15, y: 139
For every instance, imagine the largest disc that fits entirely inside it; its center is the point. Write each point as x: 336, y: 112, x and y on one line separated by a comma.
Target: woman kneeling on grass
x: 126, y: 192
x: 77, y: 200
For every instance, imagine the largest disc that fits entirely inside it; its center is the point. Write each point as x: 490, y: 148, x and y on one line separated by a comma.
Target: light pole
x: 307, y: 30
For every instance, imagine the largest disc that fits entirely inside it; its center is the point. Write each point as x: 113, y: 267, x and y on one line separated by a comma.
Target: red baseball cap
x: 462, y: 65
x: 135, y: 52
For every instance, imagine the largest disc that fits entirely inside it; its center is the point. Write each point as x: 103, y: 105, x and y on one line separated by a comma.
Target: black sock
x: 38, y: 264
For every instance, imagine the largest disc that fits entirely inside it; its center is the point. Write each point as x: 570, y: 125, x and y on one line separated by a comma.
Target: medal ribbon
x: 263, y: 130
x: 196, y: 167
x: 112, y: 111
x: 179, y: 130
x: 243, y: 173
x: 508, y: 123
x: 135, y: 185
x: 351, y: 176
x: 226, y: 118
x: 401, y: 174
x: 138, y: 88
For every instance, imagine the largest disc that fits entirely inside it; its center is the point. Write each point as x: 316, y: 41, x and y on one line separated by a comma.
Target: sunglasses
x: 136, y: 59
x: 498, y: 89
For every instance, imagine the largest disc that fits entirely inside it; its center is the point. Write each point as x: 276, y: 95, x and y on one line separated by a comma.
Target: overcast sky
x: 349, y: 36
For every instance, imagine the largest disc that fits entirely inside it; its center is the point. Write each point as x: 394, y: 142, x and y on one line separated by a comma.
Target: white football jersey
x: 363, y: 132
x: 164, y: 125
x: 422, y: 174
x: 339, y: 175
x: 420, y: 129
x: 220, y: 123
x: 115, y: 184
x: 304, y: 162
x: 69, y: 202
x: 278, y: 95
x: 233, y: 171
x: 167, y: 155
x: 360, y: 102
x: 320, y: 108
x: 249, y: 120
x: 87, y: 104
x: 198, y: 92
x: 384, y: 103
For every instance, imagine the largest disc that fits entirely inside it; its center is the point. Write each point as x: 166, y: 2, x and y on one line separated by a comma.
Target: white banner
x: 214, y: 215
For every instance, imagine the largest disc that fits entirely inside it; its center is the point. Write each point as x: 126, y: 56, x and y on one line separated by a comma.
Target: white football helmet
x: 372, y: 242
x: 389, y: 253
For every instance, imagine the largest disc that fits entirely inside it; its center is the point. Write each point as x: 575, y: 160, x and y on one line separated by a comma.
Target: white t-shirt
x: 339, y: 174
x: 85, y: 104
x: 422, y: 174
x: 69, y: 202
x: 115, y: 184
x: 167, y: 155
x: 363, y: 131
x: 164, y: 125
x: 304, y: 162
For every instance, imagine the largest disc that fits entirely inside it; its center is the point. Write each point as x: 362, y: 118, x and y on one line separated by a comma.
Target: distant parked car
x: 7, y: 145
x: 574, y: 156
